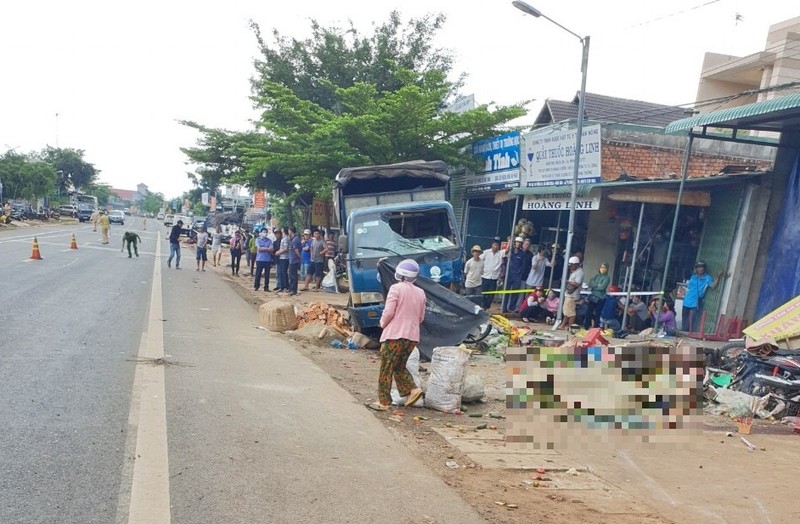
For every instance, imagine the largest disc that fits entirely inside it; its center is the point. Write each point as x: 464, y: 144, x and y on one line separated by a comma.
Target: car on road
x: 160, y: 215
x: 116, y: 217
x: 85, y: 213
x: 168, y: 220
x: 68, y: 210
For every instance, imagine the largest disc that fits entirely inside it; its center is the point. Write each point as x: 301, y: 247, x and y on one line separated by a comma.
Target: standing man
x: 294, y: 260
x: 573, y: 292
x: 696, y: 289
x: 130, y: 238
x: 305, y: 257
x: 317, y: 259
x: 402, y: 315
x: 473, y: 269
x: 175, y: 245
x: 263, y: 258
x: 597, y: 295
x: 105, y: 226
x: 252, y: 250
x: 282, y: 253
x: 202, y: 245
x: 237, y: 246
x: 492, y: 264
x: 330, y: 248
x: 94, y: 218
x: 216, y: 247
x: 539, y: 263
x: 516, y: 263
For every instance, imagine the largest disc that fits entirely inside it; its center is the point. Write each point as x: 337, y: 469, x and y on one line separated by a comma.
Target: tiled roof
x: 127, y: 194
x: 610, y: 109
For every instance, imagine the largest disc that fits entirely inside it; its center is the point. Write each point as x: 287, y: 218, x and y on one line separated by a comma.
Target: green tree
x: 342, y: 99
x: 152, y: 203
x: 72, y: 170
x: 25, y: 176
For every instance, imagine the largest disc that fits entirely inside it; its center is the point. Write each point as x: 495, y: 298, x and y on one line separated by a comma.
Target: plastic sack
x: 329, y: 281
x: 446, y: 383
x: 412, y: 365
x: 473, y: 389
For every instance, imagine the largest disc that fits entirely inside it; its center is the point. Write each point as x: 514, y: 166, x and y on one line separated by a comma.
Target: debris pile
x: 324, y: 314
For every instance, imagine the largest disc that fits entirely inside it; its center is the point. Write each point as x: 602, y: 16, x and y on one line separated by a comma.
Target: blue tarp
x: 782, y: 279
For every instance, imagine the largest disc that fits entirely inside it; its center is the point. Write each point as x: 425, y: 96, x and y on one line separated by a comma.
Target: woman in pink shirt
x: 402, y: 315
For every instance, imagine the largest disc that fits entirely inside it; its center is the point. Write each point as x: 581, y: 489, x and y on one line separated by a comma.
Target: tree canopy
x: 25, y: 176
x: 339, y: 98
x: 73, y: 172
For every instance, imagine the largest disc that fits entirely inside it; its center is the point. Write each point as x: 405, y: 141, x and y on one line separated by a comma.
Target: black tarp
x: 449, y: 317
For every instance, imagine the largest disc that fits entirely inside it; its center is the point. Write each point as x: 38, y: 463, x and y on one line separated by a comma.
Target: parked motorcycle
x: 776, y: 374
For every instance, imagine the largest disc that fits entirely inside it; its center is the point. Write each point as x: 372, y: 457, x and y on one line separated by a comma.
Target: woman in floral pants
x: 402, y: 315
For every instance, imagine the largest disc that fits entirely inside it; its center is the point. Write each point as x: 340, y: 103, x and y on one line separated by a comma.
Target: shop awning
x: 775, y: 115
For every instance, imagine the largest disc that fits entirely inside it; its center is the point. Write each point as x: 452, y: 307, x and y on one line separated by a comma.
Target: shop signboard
x: 548, y: 156
x: 500, y: 155
x: 259, y: 199
x: 558, y: 202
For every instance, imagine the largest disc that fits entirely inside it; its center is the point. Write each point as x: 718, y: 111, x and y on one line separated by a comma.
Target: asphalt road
x: 130, y: 392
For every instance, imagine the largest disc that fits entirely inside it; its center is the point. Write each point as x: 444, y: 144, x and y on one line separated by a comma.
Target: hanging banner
x: 204, y: 198
x: 321, y: 212
x: 500, y: 155
x: 213, y: 204
x: 548, y: 156
x: 259, y: 199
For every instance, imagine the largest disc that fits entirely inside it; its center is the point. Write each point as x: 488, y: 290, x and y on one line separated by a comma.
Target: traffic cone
x: 35, y: 254
x: 74, y: 243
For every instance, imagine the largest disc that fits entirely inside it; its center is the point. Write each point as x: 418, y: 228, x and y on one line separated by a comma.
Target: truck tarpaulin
x: 449, y: 317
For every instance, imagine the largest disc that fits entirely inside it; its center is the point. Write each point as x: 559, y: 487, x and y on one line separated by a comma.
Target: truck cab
x: 396, y: 211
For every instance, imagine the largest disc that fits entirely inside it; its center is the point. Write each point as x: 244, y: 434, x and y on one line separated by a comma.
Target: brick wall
x: 647, y: 162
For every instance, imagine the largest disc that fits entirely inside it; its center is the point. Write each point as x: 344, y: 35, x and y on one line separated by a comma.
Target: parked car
x: 116, y: 217
x: 68, y: 210
x: 168, y: 220
x: 160, y: 215
x: 85, y: 213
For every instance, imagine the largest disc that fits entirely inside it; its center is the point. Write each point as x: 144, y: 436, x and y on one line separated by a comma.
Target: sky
x: 114, y: 78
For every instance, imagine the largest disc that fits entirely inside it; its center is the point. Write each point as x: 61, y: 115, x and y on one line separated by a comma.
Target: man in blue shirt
x: 696, y: 289
x: 294, y: 260
x: 516, y: 263
x: 264, y: 252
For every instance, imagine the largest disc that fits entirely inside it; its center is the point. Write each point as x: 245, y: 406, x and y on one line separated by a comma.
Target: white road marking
x: 149, y: 495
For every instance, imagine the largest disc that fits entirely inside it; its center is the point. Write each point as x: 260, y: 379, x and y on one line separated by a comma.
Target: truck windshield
x: 402, y: 232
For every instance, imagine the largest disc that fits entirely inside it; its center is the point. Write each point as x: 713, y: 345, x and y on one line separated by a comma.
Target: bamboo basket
x: 278, y: 316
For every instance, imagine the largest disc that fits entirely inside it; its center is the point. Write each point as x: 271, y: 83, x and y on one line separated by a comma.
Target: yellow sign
x: 321, y: 211
x: 780, y: 324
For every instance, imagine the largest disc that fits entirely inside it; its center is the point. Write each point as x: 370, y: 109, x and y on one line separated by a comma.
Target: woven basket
x: 278, y: 316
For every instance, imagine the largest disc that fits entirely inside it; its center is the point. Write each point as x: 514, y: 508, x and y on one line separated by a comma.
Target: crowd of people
x: 520, y: 271
x: 295, y: 258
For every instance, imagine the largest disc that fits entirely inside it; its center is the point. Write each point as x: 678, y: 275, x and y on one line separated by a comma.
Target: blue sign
x: 500, y: 172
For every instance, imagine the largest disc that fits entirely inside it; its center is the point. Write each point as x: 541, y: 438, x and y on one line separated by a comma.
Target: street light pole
x: 528, y: 9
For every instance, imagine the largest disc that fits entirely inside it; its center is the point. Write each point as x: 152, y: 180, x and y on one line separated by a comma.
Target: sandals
x: 413, y: 397
x: 377, y: 406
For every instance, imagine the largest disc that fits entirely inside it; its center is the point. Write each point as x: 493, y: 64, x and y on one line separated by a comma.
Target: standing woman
x: 597, y: 287
x: 237, y: 247
x: 402, y: 315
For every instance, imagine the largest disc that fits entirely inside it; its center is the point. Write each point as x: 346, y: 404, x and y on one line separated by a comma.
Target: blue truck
x: 395, y: 211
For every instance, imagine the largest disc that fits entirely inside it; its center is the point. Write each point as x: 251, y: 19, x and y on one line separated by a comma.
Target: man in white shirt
x: 202, y: 244
x: 492, y: 263
x: 535, y: 278
x: 573, y: 292
x: 473, y: 272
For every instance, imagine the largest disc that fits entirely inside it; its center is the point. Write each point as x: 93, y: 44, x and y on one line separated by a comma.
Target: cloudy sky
x: 120, y: 74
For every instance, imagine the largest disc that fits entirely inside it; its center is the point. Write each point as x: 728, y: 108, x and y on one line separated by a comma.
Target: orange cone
x: 74, y: 243
x: 35, y: 254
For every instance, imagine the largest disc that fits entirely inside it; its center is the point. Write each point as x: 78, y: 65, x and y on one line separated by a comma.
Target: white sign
x: 462, y: 105
x: 548, y: 156
x: 558, y: 203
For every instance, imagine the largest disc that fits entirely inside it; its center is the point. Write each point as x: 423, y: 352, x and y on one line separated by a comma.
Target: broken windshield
x: 403, y: 232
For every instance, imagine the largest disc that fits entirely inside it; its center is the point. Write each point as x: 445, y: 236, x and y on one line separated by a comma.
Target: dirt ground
x: 716, y: 477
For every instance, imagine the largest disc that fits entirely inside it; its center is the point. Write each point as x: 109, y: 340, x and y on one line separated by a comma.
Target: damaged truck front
x: 395, y: 211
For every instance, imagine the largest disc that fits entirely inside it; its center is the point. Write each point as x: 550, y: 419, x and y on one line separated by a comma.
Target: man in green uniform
x: 130, y: 238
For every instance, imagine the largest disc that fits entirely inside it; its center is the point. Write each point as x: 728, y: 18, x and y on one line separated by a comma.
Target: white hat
x: 306, y: 231
x: 574, y: 260
x: 518, y: 239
